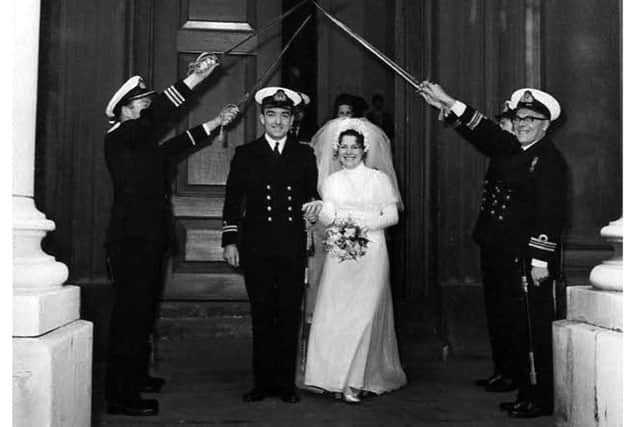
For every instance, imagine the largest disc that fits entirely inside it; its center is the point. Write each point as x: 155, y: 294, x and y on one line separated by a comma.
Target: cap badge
x: 279, y: 96
x: 527, y: 98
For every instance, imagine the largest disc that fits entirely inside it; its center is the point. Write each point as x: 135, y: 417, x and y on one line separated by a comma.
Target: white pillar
x: 608, y: 275
x: 51, y: 346
x: 587, y: 346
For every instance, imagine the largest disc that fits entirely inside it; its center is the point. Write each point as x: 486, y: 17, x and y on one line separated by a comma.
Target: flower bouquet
x: 346, y: 240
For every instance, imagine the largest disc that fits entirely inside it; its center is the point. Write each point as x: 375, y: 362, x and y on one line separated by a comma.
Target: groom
x: 272, y: 178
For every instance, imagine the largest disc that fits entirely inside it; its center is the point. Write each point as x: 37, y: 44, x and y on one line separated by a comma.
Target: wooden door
x: 183, y: 29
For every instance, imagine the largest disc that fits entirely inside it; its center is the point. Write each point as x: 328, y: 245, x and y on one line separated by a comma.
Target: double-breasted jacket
x: 264, y: 197
x: 524, y: 199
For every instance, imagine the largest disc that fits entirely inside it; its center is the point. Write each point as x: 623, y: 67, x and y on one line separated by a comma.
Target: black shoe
x: 486, y: 381
x: 501, y: 385
x: 152, y: 384
x: 529, y: 410
x: 510, y: 406
x: 290, y: 397
x: 254, y: 395
x: 134, y: 407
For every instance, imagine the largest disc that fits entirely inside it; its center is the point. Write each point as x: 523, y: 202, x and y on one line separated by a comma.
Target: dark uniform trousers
x: 521, y: 218
x: 136, y: 267
x: 275, y: 285
x: 262, y: 215
x: 500, y: 275
x: 139, y: 232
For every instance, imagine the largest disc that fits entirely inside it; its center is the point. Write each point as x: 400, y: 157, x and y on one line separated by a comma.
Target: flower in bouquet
x: 346, y: 240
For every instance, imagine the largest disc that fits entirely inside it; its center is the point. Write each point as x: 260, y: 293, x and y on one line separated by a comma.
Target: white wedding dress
x: 352, y: 341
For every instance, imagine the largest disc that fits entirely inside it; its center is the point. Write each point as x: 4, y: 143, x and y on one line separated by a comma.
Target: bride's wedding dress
x: 352, y: 341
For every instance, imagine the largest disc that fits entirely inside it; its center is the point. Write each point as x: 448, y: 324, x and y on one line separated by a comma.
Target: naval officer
x: 522, y: 215
x: 273, y: 178
x: 140, y: 226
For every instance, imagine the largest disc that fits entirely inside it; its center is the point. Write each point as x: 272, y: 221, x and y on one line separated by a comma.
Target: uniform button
x: 507, y: 197
x: 268, y: 197
x: 481, y: 208
x: 289, y: 198
x: 269, y: 208
x: 290, y: 219
x: 493, y: 212
x: 288, y: 188
x: 500, y: 218
x: 268, y: 187
x: 269, y: 219
x: 504, y: 206
x: 289, y: 208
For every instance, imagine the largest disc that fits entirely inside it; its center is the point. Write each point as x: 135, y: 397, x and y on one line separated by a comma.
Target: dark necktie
x: 276, y: 152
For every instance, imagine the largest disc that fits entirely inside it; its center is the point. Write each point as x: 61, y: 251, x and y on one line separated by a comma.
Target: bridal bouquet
x: 346, y: 240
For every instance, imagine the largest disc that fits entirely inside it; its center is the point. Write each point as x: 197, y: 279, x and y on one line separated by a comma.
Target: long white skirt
x: 352, y: 342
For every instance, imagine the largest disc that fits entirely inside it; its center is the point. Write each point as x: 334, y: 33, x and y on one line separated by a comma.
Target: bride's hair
x: 359, y: 140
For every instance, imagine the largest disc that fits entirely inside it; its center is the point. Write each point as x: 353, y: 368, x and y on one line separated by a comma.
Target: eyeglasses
x: 527, y: 120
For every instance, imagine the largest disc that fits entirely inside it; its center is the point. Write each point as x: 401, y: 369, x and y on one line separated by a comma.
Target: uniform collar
x: 272, y: 142
x: 533, y: 144
x: 114, y: 127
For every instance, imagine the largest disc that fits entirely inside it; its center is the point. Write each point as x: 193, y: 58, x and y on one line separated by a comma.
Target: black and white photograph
x: 320, y: 213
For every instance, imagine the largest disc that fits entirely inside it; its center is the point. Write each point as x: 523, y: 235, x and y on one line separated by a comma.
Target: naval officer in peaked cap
x: 140, y: 226
x: 271, y: 186
x: 519, y: 227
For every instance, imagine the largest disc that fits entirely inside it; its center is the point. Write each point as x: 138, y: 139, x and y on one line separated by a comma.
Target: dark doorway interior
x: 299, y: 69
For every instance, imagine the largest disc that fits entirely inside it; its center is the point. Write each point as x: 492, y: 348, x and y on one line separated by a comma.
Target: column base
x: 36, y: 312
x: 595, y: 306
x: 52, y: 378
x: 587, y: 364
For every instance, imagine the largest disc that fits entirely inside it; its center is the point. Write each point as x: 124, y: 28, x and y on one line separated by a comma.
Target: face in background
x: 529, y: 126
x: 132, y: 110
x: 344, y: 110
x: 350, y: 151
x: 276, y: 121
x: 506, y: 124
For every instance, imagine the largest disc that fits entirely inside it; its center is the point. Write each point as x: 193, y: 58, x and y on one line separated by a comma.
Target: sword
x: 395, y: 67
x: 532, y: 361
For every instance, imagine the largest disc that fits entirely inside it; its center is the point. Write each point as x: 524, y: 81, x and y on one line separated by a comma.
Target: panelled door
x: 181, y: 30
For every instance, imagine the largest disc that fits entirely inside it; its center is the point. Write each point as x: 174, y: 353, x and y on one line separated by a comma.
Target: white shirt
x: 272, y: 143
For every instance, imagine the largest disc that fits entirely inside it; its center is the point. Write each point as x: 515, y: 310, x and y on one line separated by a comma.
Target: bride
x: 352, y: 343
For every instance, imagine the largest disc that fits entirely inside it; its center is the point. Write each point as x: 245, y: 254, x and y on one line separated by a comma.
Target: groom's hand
x: 231, y: 255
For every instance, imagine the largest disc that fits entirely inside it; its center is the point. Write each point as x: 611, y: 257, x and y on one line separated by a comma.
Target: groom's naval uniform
x: 522, y: 214
x: 262, y: 214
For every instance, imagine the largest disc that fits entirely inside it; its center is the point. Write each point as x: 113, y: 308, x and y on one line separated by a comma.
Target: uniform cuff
x: 177, y: 93
x: 229, y: 234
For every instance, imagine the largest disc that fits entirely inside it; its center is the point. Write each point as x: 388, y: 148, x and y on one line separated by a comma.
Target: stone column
x: 51, y: 346
x: 587, y: 349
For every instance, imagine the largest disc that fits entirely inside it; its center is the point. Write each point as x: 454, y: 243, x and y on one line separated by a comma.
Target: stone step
x: 175, y: 329
x: 183, y: 320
